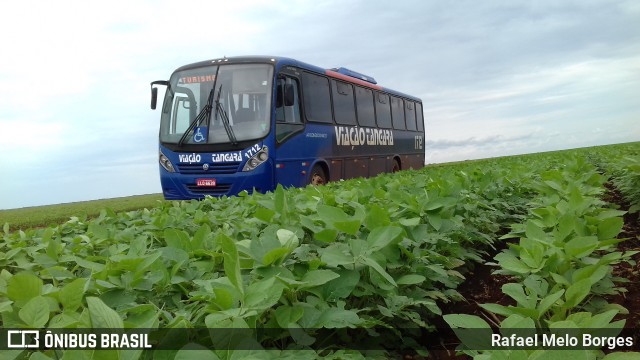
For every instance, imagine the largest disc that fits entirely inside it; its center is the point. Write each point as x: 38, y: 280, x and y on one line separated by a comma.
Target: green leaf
x: 560, y: 279
x: 532, y: 253
x: 414, y: 221
x: 548, y: 301
x: 348, y: 227
x: 279, y: 200
x: 376, y: 216
x: 143, y: 316
x: 382, y: 236
x: 603, y: 320
x: 410, y: 279
x: 199, y: 238
x: 610, y: 213
x: 317, y: 277
x: 534, y: 232
x: 375, y: 266
x: 35, y: 313
x: 175, y: 255
x: 336, y: 254
x: 434, y: 204
x: 98, y: 231
x: 287, y: 238
x: 287, y: 315
x: 341, y: 287
x: 581, y: 246
x: 6, y: 306
x: 91, y: 265
x: 275, y: 256
x: 516, y: 321
x: 472, y: 330
x: 103, y: 316
x: 264, y: 214
x: 566, y: 225
x: 526, y: 311
x: 333, y: 318
x: 263, y: 294
x: 435, y: 220
x: 497, y: 309
x: 465, y: 321
x: 224, y: 298
x: 576, y: 293
x: 516, y: 292
x: 71, y: 295
x: 610, y: 228
x: 178, y: 239
x: 594, y: 272
x: 331, y: 214
x: 511, y: 263
x: 622, y: 356
x: 231, y: 261
x: 326, y: 235
x: 37, y: 356
x: 23, y: 287
x: 195, y: 352
x: 233, y: 325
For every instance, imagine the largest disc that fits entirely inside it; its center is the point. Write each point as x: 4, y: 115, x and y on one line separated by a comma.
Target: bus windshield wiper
x: 225, y: 119
x: 204, y: 114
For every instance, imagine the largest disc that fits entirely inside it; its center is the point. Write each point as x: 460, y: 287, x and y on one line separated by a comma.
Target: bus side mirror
x: 289, y: 95
x: 154, y: 92
x: 154, y: 97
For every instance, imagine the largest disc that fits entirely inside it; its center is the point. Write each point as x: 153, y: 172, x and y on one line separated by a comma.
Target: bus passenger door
x: 288, y: 125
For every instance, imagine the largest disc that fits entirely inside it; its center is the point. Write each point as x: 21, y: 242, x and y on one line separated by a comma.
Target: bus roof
x: 279, y: 61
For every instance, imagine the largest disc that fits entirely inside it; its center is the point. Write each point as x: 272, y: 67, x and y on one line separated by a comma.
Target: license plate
x: 206, y: 182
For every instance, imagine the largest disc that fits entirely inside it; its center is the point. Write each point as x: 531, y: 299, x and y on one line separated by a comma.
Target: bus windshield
x: 237, y: 109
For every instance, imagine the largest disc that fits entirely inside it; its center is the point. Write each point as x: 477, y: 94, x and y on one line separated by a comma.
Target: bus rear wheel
x: 318, y: 176
x: 396, y: 166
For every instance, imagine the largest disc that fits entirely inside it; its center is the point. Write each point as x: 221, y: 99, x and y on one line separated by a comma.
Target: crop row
x: 561, y: 268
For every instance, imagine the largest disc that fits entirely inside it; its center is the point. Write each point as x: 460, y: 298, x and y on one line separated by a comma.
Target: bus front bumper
x: 176, y: 186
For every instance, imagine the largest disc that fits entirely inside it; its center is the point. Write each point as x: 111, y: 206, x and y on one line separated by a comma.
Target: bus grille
x: 219, y: 168
x: 220, y: 189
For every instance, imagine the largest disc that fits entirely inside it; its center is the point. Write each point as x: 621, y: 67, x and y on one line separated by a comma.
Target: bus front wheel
x: 318, y: 176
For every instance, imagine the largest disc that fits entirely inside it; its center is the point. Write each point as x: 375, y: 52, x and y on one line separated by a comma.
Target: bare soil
x: 630, y: 231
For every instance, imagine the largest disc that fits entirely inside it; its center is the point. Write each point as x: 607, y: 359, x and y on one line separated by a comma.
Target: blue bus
x: 250, y: 123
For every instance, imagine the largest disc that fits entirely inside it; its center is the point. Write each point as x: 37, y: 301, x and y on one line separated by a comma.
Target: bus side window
x: 364, y: 106
x: 383, y: 111
x: 288, y: 119
x: 344, y: 108
x: 397, y: 113
x: 411, y: 115
x: 317, y: 98
x: 419, y: 117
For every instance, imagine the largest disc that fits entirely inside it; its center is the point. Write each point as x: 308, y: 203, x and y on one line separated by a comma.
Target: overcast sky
x: 496, y: 77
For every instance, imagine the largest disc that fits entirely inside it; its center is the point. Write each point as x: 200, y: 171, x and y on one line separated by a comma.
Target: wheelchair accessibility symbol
x: 200, y: 134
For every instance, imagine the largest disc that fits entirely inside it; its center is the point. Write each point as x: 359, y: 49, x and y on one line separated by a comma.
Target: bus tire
x: 318, y: 175
x: 396, y: 166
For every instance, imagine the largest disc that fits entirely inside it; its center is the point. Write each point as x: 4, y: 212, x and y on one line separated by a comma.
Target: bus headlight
x: 257, y: 159
x: 166, y: 163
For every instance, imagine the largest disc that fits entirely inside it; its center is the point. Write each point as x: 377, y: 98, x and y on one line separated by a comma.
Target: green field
x: 40, y: 216
x: 396, y: 254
